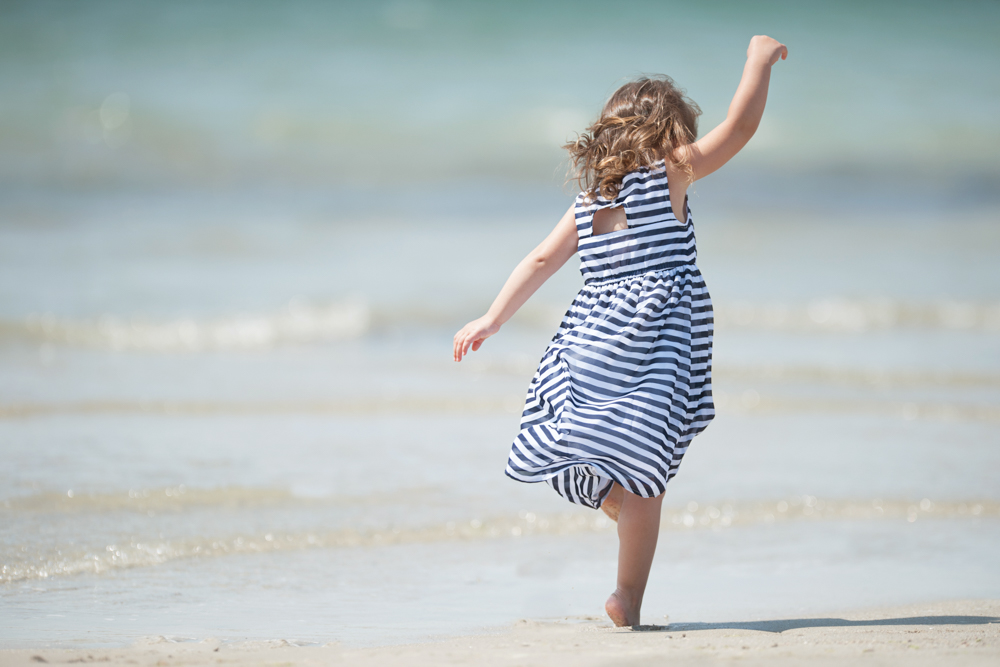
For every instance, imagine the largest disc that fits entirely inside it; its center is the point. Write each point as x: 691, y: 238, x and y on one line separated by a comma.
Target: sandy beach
x: 965, y: 632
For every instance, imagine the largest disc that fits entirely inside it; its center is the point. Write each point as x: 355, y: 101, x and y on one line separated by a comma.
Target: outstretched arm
x: 720, y: 145
x: 527, y: 277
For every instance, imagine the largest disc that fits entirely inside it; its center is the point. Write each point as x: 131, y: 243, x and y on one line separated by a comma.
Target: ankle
x: 631, y: 599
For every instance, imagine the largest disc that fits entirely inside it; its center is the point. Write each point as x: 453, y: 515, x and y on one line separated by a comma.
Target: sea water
x: 236, y: 240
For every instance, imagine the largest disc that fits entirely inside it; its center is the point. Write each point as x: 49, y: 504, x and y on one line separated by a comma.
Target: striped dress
x: 626, y: 382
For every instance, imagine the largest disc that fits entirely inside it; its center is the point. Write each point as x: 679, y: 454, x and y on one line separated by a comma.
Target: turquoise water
x: 236, y: 239
x: 331, y: 93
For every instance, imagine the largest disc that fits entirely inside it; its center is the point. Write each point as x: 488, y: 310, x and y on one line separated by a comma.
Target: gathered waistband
x: 628, y: 276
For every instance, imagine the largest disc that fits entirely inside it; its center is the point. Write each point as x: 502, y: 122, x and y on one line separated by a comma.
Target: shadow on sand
x: 796, y: 623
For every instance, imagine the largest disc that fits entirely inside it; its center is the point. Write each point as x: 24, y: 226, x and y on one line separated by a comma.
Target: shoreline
x: 961, y: 632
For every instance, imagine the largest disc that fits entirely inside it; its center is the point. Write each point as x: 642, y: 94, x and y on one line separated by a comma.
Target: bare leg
x: 612, y: 504
x: 638, y: 528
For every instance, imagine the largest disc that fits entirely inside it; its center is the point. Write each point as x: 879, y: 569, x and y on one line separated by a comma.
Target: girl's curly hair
x: 644, y: 121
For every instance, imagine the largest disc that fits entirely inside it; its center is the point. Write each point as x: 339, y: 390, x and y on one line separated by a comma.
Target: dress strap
x: 584, y: 212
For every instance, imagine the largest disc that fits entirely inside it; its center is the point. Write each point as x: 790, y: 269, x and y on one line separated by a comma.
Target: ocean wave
x: 858, y: 316
x: 827, y: 315
x: 301, y: 323
x: 21, y: 563
x: 297, y: 323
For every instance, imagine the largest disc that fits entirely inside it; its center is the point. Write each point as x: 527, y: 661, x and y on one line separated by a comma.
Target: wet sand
x: 954, y: 633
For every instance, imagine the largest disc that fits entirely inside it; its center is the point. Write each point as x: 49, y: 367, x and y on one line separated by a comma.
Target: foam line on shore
x: 181, y: 498
x: 20, y: 564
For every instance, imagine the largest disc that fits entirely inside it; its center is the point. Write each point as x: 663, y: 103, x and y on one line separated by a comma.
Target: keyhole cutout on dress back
x: 607, y: 220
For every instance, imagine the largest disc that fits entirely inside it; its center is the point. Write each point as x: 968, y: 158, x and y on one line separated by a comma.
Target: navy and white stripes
x: 626, y: 382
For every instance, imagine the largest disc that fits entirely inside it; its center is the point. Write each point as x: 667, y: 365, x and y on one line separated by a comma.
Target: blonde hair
x: 644, y: 121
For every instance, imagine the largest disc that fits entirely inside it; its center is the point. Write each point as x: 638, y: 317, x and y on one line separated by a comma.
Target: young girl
x: 626, y: 382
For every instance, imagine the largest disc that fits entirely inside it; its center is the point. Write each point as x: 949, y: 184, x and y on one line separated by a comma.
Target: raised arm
x: 527, y: 277
x: 720, y: 145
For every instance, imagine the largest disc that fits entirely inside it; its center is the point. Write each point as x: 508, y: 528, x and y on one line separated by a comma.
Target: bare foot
x: 620, y: 611
x: 612, y: 504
